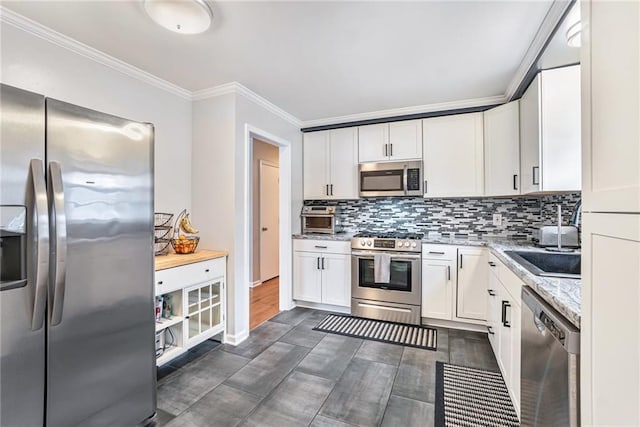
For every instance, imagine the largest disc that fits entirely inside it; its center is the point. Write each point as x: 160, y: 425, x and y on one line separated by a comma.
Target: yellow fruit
x: 185, y: 224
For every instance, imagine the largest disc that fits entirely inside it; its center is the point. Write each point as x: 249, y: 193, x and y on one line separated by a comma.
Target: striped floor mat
x: 468, y: 397
x: 379, y: 330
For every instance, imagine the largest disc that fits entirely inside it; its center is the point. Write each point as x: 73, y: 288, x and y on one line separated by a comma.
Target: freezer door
x: 101, y: 358
x: 23, y: 212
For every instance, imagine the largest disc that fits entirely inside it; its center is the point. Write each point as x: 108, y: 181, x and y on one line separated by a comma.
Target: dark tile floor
x: 286, y: 374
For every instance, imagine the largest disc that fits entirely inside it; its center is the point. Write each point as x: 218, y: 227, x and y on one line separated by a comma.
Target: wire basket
x: 161, y: 246
x: 186, y: 245
x: 163, y: 232
x: 161, y: 219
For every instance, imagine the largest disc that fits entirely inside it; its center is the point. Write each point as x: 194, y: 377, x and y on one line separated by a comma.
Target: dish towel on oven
x: 382, y: 268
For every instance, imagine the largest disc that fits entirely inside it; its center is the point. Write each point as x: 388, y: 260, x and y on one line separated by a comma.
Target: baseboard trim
x: 325, y: 307
x: 235, y: 340
x: 453, y: 325
x: 256, y: 283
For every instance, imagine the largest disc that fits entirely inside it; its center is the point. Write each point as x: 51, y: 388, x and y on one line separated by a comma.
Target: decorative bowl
x: 185, y: 244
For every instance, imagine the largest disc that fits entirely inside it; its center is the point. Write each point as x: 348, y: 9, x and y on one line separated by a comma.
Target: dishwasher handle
x: 548, y: 320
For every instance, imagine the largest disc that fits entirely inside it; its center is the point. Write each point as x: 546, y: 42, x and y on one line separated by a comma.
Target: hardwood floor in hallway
x: 264, y: 302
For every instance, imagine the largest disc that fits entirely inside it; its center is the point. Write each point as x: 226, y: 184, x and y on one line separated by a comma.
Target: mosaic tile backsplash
x: 521, y: 216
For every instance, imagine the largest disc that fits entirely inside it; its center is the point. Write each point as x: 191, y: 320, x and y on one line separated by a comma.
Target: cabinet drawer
x: 430, y: 251
x: 512, y: 284
x: 171, y: 279
x: 320, y: 246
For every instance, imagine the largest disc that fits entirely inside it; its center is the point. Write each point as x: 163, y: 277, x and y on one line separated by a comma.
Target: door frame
x: 264, y: 163
x: 285, y: 202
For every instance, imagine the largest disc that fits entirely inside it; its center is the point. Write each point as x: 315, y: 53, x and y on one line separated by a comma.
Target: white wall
x: 219, y: 149
x: 37, y: 65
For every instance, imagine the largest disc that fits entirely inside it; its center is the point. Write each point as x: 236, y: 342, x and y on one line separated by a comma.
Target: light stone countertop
x: 565, y: 295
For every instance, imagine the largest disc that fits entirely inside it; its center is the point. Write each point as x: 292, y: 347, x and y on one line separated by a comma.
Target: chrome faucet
x: 576, y: 215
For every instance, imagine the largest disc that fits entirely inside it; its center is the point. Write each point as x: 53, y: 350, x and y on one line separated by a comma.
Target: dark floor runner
x: 380, y: 330
x: 467, y: 397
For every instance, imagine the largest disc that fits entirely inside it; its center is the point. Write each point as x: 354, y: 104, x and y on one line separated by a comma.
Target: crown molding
x: 552, y: 19
x: 239, y: 89
x: 405, y: 111
x: 7, y: 16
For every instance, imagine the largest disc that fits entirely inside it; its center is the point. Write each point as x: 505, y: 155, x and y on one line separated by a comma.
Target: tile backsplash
x: 472, y: 217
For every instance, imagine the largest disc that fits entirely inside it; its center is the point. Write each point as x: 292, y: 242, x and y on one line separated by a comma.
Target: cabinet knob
x: 207, y: 270
x: 160, y: 282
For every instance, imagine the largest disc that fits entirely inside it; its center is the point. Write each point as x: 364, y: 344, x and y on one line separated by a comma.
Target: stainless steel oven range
x: 397, y: 299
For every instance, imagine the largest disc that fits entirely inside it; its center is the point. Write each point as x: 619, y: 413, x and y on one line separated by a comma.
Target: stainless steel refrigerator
x: 76, y: 290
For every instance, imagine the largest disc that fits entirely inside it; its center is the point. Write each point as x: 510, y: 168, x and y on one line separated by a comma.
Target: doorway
x: 265, y: 283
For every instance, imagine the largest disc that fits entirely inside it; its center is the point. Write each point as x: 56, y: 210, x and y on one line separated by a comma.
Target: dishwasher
x: 550, y: 369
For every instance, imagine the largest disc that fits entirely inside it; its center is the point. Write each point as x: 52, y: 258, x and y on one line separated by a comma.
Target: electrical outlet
x: 497, y: 219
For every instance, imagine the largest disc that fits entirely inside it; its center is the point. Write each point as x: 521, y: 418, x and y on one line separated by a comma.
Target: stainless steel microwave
x: 390, y: 179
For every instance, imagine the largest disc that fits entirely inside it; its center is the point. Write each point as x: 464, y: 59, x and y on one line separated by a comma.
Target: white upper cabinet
x: 453, y: 155
x: 330, y: 164
x: 373, y: 143
x: 405, y: 140
x: 316, y: 165
x: 502, y: 150
x: 390, y: 141
x: 550, y: 132
x: 611, y: 106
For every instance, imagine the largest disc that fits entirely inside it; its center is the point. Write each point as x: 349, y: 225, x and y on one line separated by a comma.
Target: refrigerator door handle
x: 59, y: 242
x: 37, y: 200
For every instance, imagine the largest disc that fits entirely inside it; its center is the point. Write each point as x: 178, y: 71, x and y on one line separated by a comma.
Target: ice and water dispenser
x: 13, y: 244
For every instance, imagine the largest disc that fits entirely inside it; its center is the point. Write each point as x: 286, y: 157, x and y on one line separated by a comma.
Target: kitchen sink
x: 548, y: 264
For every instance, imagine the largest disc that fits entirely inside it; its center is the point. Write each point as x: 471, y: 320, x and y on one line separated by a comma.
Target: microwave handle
x: 405, y: 179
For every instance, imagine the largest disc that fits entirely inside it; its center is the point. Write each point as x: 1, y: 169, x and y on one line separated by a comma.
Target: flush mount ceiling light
x: 180, y: 16
x: 573, y: 35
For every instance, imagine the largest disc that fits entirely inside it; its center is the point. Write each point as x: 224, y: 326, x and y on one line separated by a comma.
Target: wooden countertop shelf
x: 176, y: 260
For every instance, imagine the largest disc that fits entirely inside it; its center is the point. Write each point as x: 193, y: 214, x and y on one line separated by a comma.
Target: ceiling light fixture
x: 180, y: 16
x: 573, y: 35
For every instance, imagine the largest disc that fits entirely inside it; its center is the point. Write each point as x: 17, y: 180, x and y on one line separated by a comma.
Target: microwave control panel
x: 413, y: 179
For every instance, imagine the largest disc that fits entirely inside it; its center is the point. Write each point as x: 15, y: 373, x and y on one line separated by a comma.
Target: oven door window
x: 389, y: 180
x: 318, y: 222
x: 399, y: 280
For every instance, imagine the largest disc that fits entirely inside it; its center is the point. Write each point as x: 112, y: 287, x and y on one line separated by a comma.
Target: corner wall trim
x: 7, y: 16
x: 237, y: 88
x: 236, y: 339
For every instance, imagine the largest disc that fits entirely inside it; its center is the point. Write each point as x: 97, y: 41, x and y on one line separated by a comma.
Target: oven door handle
x: 395, y: 255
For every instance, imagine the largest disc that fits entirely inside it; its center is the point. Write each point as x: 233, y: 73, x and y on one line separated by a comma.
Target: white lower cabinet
x: 453, y: 284
x: 503, y: 323
x: 323, y: 275
x: 472, y: 265
x: 193, y: 306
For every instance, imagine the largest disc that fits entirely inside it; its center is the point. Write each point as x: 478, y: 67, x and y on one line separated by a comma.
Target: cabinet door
x: 472, y: 283
x: 506, y: 337
x: 610, y: 323
x: 405, y: 140
x: 530, y: 138
x: 336, y: 279
x: 453, y: 156
x: 343, y: 163
x: 315, y: 165
x: 502, y: 150
x: 611, y: 106
x: 438, y: 278
x: 514, y: 387
x: 373, y: 143
x: 307, y: 278
x: 493, y: 310
x: 560, y: 120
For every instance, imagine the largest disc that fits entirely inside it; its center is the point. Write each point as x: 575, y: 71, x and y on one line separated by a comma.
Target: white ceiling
x: 318, y: 59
